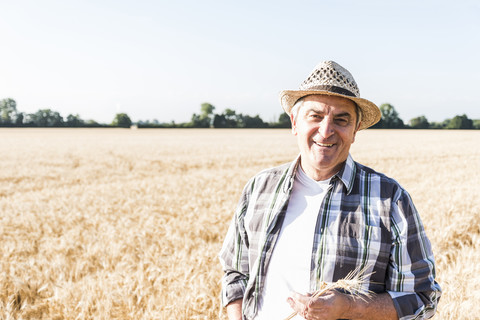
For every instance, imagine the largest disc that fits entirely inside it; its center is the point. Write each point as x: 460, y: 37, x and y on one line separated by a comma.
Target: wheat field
x: 127, y: 224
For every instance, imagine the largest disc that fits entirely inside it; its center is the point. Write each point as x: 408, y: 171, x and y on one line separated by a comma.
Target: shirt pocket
x: 363, y: 245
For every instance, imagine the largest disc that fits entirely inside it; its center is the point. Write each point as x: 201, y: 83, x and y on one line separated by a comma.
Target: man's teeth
x: 324, y: 144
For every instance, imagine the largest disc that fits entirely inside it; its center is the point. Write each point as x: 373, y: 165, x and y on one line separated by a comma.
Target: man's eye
x: 342, y: 121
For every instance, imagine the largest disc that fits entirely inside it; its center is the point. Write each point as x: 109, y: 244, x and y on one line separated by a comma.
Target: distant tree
x: 231, y: 118
x: 74, y: 121
x: 440, y: 125
x: 8, y: 111
x: 206, y: 109
x: 476, y: 124
x: 93, y: 123
x: 122, y: 120
x: 46, y: 118
x: 435, y: 125
x: 204, y: 119
x: 419, y: 123
x: 199, y: 122
x: 284, y: 121
x: 206, y: 112
x: 219, y: 121
x: 390, y: 118
x: 460, y: 122
x: 19, y: 120
x: 228, y: 119
x: 229, y: 113
x: 252, y: 122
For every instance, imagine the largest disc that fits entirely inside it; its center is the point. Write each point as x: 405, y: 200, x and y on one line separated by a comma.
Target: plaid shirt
x: 365, y: 220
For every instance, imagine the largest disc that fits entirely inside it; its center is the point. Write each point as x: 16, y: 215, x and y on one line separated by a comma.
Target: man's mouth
x: 324, y: 144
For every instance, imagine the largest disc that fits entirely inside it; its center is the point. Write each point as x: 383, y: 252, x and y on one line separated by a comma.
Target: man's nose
x: 326, y: 128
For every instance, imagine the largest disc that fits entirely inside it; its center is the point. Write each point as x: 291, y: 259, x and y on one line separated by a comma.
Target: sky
x: 163, y: 59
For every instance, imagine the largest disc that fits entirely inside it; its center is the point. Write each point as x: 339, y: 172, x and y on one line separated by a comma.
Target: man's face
x: 325, y: 127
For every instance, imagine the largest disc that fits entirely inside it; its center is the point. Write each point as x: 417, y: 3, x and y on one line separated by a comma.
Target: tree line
x: 391, y: 120
x: 207, y: 118
x: 229, y: 118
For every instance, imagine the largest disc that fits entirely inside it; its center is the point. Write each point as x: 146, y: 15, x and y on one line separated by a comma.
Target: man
x: 324, y: 215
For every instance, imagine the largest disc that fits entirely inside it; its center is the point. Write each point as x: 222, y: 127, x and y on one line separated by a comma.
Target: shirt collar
x: 291, y: 172
x: 347, y: 174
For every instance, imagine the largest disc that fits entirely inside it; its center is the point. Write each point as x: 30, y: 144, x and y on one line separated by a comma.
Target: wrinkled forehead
x: 325, y: 103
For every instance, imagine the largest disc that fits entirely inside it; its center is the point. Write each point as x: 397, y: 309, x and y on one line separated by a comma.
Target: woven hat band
x: 333, y: 89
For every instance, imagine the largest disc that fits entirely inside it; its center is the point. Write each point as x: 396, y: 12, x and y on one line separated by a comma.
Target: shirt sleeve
x: 411, y: 273
x: 234, y: 254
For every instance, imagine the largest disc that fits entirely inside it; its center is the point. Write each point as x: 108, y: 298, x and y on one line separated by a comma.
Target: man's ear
x: 294, y: 124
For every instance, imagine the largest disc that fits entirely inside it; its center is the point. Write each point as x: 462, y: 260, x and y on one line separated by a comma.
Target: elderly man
x: 324, y: 215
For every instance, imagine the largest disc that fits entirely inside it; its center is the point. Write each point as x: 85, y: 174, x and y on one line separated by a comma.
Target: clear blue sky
x: 162, y: 59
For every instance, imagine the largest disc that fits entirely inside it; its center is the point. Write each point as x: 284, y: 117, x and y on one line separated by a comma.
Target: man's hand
x: 331, y: 305
x: 337, y: 305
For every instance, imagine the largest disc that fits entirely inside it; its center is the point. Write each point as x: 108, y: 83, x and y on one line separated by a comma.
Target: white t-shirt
x: 289, y: 268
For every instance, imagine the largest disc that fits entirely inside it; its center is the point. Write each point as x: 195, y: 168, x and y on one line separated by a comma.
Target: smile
x: 324, y: 144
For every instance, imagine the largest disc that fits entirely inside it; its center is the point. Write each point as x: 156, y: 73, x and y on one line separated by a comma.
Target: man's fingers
x: 299, y: 303
x: 300, y: 297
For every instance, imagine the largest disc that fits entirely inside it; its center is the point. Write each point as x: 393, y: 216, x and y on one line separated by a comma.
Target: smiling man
x: 323, y: 216
x: 325, y: 127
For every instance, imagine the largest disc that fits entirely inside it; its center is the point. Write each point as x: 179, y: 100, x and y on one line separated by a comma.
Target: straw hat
x: 330, y: 78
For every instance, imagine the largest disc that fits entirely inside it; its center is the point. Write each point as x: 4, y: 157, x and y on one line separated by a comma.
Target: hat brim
x: 370, y: 112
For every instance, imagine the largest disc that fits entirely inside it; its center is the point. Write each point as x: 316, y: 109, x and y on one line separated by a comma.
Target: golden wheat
x: 127, y: 224
x: 354, y: 283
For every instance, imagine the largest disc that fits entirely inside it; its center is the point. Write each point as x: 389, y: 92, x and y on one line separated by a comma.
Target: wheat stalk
x: 352, y: 284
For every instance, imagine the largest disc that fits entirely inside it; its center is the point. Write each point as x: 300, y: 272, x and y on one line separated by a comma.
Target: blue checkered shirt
x: 366, y: 220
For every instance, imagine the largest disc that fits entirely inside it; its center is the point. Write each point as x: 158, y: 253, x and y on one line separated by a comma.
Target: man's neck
x: 319, y: 174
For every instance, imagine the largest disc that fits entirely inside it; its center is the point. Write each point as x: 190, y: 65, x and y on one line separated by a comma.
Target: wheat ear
x: 352, y: 283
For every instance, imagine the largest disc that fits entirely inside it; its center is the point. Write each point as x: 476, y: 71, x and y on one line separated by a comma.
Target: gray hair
x: 296, y: 107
